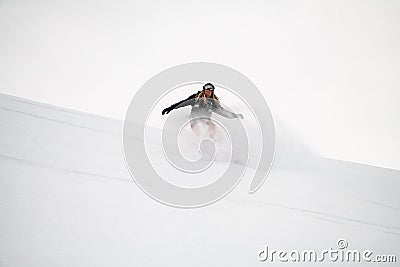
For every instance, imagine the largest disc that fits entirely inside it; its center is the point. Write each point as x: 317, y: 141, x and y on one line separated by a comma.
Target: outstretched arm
x: 227, y: 114
x: 186, y: 102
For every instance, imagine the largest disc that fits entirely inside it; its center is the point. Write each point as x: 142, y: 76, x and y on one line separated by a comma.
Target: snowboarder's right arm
x: 186, y: 102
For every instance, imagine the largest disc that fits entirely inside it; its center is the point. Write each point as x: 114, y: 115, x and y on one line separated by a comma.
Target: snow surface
x: 67, y: 199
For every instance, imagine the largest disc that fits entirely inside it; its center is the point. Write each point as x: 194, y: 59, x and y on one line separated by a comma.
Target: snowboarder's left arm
x: 226, y: 113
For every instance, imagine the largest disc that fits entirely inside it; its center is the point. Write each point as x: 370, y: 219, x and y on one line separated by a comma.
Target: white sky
x: 328, y: 69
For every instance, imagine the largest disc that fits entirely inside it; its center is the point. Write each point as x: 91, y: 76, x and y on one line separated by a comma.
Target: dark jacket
x: 199, y: 108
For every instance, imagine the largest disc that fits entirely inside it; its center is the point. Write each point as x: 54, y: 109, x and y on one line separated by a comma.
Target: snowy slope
x: 67, y: 199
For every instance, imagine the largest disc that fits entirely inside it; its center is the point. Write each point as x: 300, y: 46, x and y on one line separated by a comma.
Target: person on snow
x: 203, y: 103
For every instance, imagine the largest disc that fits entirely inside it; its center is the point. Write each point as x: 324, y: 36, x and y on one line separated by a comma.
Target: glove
x: 166, y: 111
x: 239, y: 116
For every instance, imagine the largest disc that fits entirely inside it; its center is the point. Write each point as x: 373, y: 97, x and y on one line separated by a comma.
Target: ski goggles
x: 208, y: 87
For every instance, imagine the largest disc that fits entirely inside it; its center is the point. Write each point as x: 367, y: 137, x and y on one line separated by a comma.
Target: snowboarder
x: 203, y: 103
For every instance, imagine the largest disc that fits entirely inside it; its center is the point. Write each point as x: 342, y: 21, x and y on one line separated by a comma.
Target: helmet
x: 209, y: 86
